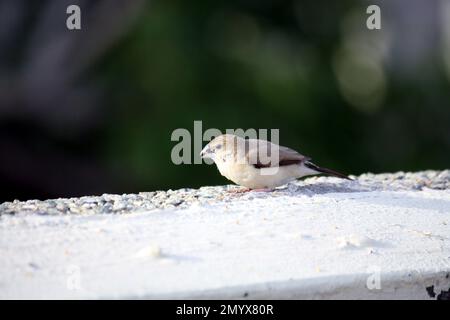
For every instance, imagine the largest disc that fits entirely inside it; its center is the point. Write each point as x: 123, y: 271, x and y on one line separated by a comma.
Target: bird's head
x: 219, y: 146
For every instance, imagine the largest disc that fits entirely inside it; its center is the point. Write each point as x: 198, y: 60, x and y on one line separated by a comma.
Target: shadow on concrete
x: 326, y: 187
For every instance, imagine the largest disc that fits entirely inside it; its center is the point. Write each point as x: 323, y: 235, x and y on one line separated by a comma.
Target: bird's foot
x: 262, y: 190
x: 244, y: 190
x: 241, y: 190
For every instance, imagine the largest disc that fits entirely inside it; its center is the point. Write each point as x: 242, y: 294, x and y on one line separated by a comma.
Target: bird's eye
x: 219, y: 146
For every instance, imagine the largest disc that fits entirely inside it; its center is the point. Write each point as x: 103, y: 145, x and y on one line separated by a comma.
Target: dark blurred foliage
x: 92, y: 111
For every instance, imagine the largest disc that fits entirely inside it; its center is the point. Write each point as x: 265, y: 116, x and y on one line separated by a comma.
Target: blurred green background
x: 92, y: 111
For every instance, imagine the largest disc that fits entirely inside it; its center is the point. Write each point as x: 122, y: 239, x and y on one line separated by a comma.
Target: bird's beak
x: 205, y: 152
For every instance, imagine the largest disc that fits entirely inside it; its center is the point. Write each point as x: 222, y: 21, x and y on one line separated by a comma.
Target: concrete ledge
x: 379, y: 237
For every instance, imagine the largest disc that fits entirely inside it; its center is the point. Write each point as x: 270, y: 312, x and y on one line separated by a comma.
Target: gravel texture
x: 183, y: 198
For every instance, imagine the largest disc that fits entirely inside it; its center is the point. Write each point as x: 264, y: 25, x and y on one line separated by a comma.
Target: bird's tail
x: 326, y: 171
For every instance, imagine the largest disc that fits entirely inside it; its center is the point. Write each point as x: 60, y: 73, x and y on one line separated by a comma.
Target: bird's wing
x: 263, y: 154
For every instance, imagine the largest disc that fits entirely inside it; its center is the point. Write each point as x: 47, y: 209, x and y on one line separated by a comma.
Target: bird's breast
x: 247, y: 175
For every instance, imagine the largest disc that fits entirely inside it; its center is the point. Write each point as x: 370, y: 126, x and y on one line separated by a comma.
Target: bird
x: 257, y: 164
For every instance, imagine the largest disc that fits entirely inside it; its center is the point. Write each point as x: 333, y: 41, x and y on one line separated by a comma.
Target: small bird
x: 260, y: 164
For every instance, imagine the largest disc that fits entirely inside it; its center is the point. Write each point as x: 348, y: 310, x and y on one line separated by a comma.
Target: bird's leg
x: 262, y: 190
x: 242, y: 190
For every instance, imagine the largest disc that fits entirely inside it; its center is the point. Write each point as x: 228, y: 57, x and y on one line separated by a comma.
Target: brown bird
x: 260, y: 164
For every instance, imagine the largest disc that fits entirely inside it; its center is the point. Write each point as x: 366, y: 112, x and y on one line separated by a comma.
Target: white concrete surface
x: 357, y: 245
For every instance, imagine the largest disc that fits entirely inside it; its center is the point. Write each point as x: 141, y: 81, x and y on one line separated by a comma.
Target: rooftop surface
x: 380, y: 236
